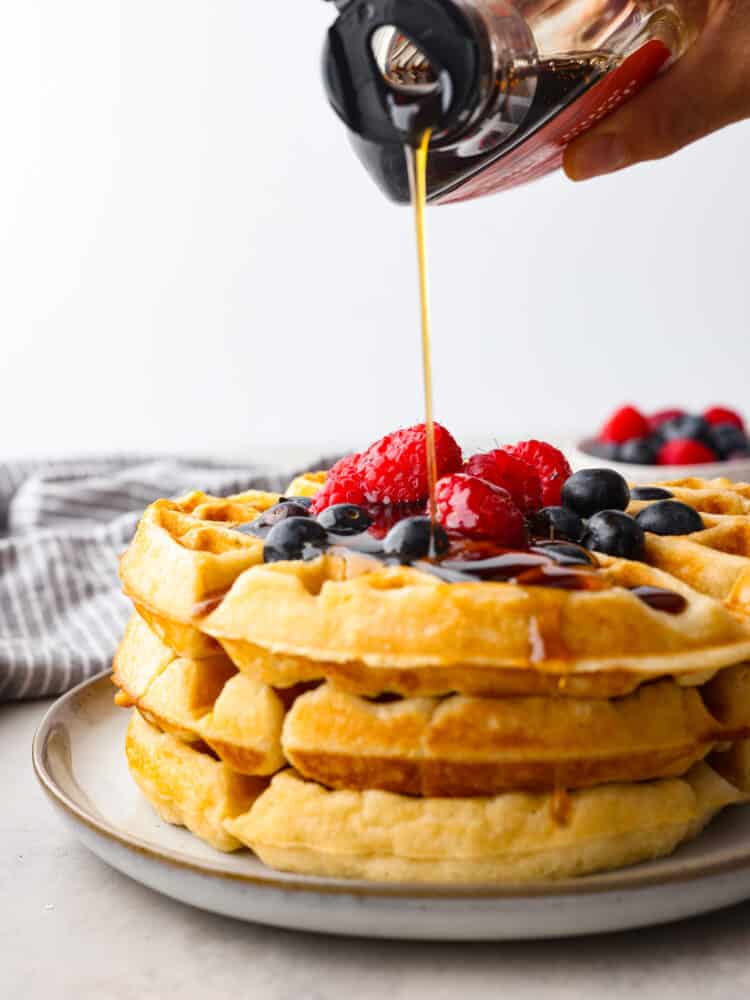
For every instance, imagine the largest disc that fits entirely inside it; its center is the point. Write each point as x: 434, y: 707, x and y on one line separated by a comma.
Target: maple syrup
x: 416, y: 159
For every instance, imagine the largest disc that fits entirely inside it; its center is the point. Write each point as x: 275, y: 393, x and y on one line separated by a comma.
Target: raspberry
x: 551, y: 465
x: 391, y: 471
x: 662, y: 416
x: 342, y: 486
x: 684, y: 451
x: 394, y: 469
x: 519, y: 478
x: 478, y: 509
x: 624, y: 425
x: 720, y: 415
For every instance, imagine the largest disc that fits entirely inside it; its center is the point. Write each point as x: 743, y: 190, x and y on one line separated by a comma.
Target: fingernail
x: 590, y: 157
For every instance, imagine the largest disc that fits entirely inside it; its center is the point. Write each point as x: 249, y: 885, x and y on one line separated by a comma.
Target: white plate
x: 80, y: 762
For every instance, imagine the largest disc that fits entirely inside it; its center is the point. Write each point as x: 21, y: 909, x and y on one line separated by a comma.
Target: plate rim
x: 624, y: 880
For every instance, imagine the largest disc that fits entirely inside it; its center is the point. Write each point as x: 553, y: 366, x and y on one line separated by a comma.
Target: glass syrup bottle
x: 503, y: 87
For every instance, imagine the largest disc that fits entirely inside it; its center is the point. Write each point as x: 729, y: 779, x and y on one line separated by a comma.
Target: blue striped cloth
x: 62, y: 527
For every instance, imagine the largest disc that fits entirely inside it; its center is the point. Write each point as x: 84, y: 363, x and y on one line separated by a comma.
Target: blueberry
x: 639, y: 451
x: 726, y: 440
x: 295, y: 538
x: 592, y: 490
x: 305, y: 502
x: 650, y: 493
x: 607, y: 450
x: 565, y: 553
x: 670, y: 517
x: 557, y: 522
x: 616, y: 534
x: 345, y: 519
x: 413, y: 538
x: 691, y: 427
x: 281, y: 511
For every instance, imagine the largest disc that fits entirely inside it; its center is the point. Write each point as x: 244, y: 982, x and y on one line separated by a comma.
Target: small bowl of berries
x: 669, y: 444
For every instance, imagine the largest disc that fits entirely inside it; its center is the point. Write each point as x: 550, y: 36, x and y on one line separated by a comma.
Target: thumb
x: 689, y: 101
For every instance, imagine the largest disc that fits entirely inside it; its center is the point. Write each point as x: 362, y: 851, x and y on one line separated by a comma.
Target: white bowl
x: 738, y: 471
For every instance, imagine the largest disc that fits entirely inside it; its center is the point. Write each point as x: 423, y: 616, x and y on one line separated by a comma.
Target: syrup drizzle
x: 416, y: 159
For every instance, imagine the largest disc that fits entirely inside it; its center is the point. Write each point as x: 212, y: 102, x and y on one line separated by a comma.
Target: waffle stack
x: 345, y: 717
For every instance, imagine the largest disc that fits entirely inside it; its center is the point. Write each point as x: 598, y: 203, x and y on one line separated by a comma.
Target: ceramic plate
x: 80, y: 762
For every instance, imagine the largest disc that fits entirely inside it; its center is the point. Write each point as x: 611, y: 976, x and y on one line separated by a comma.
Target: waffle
x: 300, y: 826
x: 396, y: 629
x: 201, y: 701
x: 184, y: 552
x: 459, y: 746
x: 188, y: 787
x: 715, y: 561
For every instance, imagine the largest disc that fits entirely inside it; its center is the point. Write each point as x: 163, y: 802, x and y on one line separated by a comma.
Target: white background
x: 191, y: 258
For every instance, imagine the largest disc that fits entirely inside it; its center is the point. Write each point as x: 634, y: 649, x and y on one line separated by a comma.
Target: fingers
x: 698, y: 95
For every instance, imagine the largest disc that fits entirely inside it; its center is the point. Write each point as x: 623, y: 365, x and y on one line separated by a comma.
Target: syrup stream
x: 417, y: 165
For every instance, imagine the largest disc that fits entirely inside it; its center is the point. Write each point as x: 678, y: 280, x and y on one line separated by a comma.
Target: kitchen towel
x: 63, y: 525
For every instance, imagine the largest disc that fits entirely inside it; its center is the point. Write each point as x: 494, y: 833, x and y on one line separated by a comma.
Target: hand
x: 704, y: 91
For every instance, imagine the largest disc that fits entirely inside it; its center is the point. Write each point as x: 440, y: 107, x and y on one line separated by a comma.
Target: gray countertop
x: 71, y: 927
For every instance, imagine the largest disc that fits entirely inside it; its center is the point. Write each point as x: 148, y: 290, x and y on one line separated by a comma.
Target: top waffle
x: 185, y: 552
x: 374, y: 628
x: 715, y: 561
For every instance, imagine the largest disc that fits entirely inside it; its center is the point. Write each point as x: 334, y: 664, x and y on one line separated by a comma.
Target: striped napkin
x: 62, y: 527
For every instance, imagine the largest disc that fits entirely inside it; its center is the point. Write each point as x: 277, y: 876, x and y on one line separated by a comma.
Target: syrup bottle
x: 502, y: 87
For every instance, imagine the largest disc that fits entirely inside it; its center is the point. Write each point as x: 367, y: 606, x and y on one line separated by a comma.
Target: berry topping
x: 624, y: 425
x: 662, y: 416
x: 639, y: 451
x: 670, y: 517
x: 478, y: 509
x: 551, y: 465
x: 519, y: 478
x: 592, y: 490
x: 394, y: 469
x: 281, y: 511
x: 565, y: 553
x: 686, y: 452
x: 616, y: 534
x: 391, y: 471
x: 415, y: 538
x: 557, y: 522
x: 345, y: 519
x: 295, y: 538
x: 721, y: 415
x: 650, y: 493
x: 343, y: 485
x: 727, y: 439
x: 305, y: 502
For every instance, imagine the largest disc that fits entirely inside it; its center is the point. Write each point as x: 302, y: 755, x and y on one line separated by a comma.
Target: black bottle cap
x: 364, y: 99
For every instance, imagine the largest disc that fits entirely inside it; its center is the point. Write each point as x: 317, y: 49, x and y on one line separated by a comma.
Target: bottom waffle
x: 188, y: 787
x: 299, y: 826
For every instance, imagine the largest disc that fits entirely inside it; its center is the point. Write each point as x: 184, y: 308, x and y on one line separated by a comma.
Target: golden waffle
x: 715, y: 561
x: 459, y: 746
x: 306, y: 485
x: 396, y: 629
x: 184, y: 553
x: 188, y: 787
x: 201, y: 701
x: 299, y: 826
